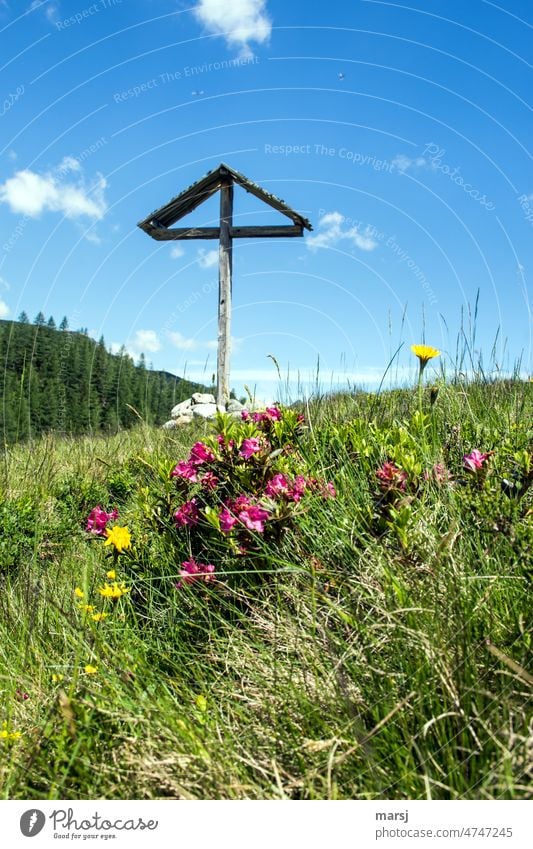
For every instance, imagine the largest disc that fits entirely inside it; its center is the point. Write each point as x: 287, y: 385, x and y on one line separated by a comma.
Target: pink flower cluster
x: 188, y: 469
x: 475, y: 461
x: 391, y: 477
x: 271, y: 414
x: 281, y: 486
x: 250, y: 447
x: 191, y: 572
x: 242, y: 511
x: 209, y: 481
x: 98, y: 518
x: 201, y: 453
x: 187, y: 514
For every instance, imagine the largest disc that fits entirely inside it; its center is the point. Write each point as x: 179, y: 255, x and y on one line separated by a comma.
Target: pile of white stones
x: 204, y: 407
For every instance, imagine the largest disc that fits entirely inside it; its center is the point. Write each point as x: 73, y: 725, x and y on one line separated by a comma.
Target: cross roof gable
x: 190, y: 198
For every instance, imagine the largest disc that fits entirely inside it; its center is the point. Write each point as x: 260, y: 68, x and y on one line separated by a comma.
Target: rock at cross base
x: 181, y: 408
x: 199, y: 398
x: 204, y: 411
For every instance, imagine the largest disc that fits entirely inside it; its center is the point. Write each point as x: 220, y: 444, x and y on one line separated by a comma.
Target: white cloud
x: 4, y: 283
x: 4, y: 309
x: 91, y: 236
x: 176, y: 252
x: 239, y: 21
x: 332, y: 231
x: 146, y: 340
x: 31, y: 194
x: 51, y: 10
x: 207, y: 259
x: 182, y: 342
x: 404, y: 163
x: 68, y: 163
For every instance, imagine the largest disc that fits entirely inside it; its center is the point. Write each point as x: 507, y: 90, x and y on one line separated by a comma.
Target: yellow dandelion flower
x: 86, y: 608
x: 111, y: 574
x: 119, y: 537
x: 56, y: 677
x: 97, y: 617
x: 113, y: 590
x: 79, y: 592
x: 90, y: 670
x: 425, y: 353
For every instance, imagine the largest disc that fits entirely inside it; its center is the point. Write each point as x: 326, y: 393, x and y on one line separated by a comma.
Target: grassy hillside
x: 373, y: 643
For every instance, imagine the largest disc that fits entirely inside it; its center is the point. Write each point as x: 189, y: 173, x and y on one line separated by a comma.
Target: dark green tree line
x: 64, y: 381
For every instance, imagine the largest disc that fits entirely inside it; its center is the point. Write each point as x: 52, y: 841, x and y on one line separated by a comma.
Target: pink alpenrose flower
x: 239, y: 503
x: 254, y: 518
x: 187, y: 514
x: 249, y: 447
x: 227, y: 521
x: 278, y: 485
x: 209, y: 481
x: 185, y: 470
x: 98, y: 518
x: 391, y: 477
x: 297, y: 489
x: 191, y: 571
x: 201, y: 453
x: 474, y: 461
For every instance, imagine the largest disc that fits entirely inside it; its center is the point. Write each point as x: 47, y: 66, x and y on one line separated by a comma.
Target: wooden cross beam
x: 222, y: 179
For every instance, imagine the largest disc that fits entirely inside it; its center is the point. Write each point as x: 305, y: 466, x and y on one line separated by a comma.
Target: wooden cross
x: 223, y: 178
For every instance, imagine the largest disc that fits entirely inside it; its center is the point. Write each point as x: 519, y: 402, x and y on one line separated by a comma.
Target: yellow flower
x: 56, y: 677
x: 86, y: 608
x: 425, y: 353
x: 79, y: 592
x: 113, y: 590
x: 119, y: 537
x: 111, y: 574
x: 97, y: 617
x: 90, y: 670
x: 9, y: 735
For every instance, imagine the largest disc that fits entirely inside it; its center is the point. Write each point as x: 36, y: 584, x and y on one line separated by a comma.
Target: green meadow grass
x: 366, y: 663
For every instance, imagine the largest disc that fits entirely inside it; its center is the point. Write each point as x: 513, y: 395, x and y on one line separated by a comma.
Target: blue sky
x: 402, y: 131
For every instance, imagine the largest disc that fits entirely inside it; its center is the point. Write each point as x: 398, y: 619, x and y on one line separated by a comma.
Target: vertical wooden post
x: 224, y: 291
